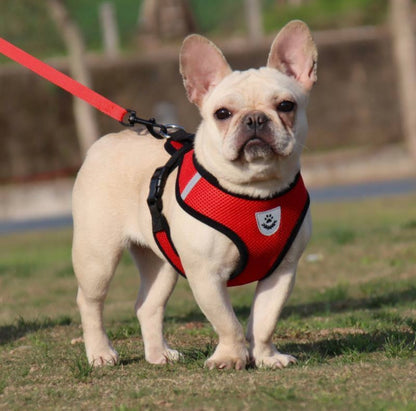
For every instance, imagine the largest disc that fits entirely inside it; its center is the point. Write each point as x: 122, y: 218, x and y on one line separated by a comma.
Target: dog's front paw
x: 228, y: 358
x: 166, y: 356
x: 274, y: 361
x: 109, y: 356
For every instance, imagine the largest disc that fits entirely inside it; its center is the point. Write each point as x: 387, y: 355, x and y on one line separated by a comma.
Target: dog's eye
x: 222, y: 114
x: 286, y: 106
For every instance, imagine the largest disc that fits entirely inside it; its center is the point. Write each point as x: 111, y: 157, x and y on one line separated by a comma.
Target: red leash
x: 62, y: 80
x: 79, y: 90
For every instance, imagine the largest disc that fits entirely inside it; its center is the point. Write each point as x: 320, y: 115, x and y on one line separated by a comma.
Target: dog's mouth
x: 258, y: 148
x: 255, y: 141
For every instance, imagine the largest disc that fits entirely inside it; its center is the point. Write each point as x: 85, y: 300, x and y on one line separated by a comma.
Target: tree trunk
x: 84, y: 114
x: 405, y: 55
x: 109, y: 28
x: 254, y: 20
x: 161, y: 20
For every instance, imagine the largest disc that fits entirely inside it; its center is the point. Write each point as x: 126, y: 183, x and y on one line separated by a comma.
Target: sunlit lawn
x: 350, y: 322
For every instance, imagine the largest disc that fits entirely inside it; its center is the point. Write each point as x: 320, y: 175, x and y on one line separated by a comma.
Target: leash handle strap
x: 62, y: 80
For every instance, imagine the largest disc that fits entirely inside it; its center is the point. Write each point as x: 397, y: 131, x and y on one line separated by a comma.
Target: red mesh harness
x: 262, y: 229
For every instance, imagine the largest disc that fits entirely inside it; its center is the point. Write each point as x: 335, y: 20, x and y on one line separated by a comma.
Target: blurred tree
x: 254, y: 19
x: 164, y: 20
x: 295, y: 3
x: 109, y: 29
x: 402, y: 26
x: 84, y: 114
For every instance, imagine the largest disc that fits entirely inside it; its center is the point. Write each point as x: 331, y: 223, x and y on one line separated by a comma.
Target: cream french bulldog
x: 250, y: 139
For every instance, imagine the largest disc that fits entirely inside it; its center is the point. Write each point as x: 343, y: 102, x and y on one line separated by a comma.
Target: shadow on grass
x: 132, y: 359
x: 21, y: 327
x: 331, y: 305
x: 392, y: 342
x: 349, y: 304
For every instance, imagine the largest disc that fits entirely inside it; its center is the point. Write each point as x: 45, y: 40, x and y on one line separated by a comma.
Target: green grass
x: 350, y: 322
x: 328, y: 14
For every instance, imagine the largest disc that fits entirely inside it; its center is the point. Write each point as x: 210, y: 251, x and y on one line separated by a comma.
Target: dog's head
x: 253, y: 122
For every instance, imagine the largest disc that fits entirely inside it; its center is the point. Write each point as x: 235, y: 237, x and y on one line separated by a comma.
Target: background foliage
x: 27, y: 23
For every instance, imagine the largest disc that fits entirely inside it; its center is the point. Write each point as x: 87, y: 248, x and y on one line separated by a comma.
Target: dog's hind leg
x: 95, y: 255
x: 158, y: 280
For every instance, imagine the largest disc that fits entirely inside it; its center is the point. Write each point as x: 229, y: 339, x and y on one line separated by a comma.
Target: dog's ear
x: 202, y: 66
x: 294, y: 53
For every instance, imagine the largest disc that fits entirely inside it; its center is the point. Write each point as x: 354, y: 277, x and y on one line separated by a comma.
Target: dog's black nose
x: 255, y: 120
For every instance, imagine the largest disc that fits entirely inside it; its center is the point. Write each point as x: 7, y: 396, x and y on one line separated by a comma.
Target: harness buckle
x: 154, y: 198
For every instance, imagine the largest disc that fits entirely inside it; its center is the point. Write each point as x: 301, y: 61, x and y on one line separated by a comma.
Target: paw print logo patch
x: 268, y: 221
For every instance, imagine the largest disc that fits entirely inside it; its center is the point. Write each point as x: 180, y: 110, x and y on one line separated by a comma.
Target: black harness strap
x: 177, y: 145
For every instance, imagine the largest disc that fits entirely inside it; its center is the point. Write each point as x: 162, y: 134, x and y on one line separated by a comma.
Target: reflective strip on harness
x: 192, y: 183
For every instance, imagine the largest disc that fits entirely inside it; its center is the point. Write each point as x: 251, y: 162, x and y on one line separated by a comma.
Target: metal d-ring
x: 166, y: 133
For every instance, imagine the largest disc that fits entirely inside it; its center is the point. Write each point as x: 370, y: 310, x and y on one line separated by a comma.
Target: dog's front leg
x: 269, y: 300
x: 211, y: 294
x: 270, y: 297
